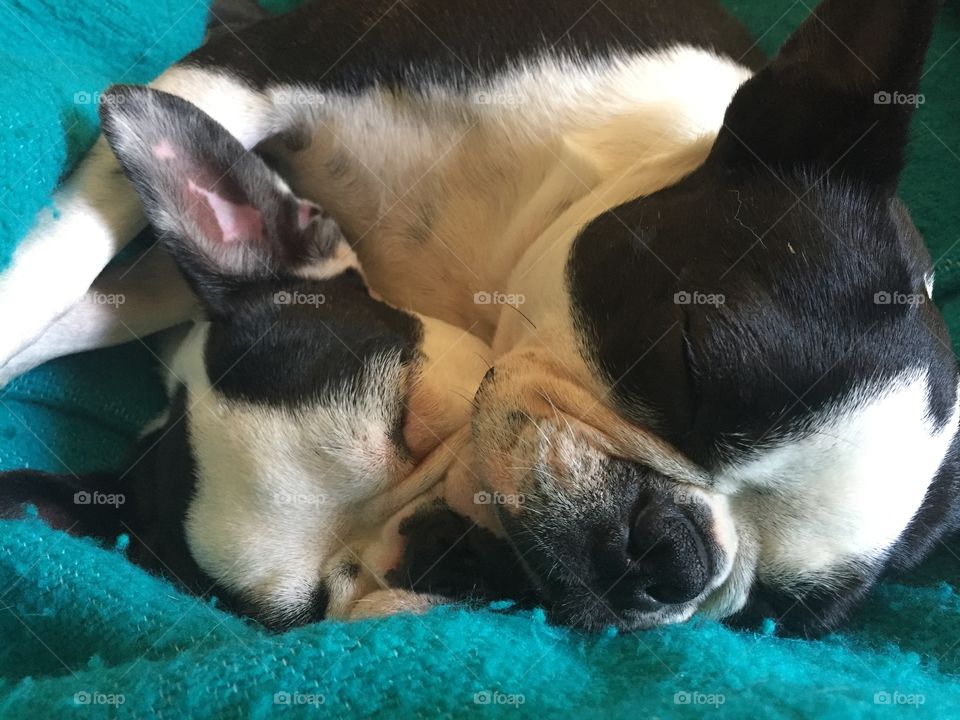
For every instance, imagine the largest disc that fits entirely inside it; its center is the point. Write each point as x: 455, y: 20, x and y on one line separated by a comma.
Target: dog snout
x: 667, y: 552
x: 654, y: 560
x: 637, y: 558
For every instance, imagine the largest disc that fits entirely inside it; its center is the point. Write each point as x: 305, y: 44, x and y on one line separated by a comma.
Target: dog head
x: 304, y: 408
x: 749, y: 406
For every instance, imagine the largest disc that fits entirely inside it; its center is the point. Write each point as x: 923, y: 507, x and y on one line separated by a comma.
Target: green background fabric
x: 80, y: 626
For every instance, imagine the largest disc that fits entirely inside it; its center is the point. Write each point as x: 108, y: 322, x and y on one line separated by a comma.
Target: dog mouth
x: 594, y: 540
x: 451, y: 555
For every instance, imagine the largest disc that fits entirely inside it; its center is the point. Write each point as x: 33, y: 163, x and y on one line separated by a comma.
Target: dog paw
x: 391, y: 602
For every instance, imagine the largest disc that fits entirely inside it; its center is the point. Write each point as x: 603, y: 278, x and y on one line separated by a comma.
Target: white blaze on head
x: 844, y: 492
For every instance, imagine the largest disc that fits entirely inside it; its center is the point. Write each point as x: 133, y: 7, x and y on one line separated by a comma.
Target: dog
x: 304, y: 415
x: 716, y: 381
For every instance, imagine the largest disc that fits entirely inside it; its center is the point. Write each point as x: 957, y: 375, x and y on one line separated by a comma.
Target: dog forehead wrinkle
x: 845, y: 490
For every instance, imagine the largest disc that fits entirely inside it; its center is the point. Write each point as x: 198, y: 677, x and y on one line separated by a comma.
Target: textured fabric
x: 81, y: 629
x: 55, y: 57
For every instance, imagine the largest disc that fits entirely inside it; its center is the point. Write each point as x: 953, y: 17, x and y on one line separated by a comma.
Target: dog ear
x: 839, y: 95
x: 224, y: 214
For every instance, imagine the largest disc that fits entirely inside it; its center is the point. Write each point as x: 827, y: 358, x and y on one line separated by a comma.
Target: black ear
x: 225, y: 215
x: 839, y: 96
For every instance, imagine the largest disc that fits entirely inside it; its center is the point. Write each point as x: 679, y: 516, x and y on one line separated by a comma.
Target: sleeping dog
x: 305, y: 415
x: 718, y: 382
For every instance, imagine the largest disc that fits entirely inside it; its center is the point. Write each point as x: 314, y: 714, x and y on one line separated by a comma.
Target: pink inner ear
x: 163, y: 150
x: 234, y: 223
x: 307, y: 212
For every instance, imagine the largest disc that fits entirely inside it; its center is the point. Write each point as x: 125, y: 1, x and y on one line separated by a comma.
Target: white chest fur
x: 444, y: 192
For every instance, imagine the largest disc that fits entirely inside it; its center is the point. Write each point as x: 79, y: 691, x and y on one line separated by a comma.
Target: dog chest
x: 457, y: 185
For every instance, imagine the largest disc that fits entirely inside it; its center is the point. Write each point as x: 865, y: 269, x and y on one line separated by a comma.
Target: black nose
x: 667, y: 552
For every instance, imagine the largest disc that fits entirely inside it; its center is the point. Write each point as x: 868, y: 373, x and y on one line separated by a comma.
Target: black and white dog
x: 715, y: 381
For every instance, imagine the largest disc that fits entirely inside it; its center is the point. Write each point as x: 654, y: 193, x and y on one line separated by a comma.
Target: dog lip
x: 539, y: 585
x: 602, y: 615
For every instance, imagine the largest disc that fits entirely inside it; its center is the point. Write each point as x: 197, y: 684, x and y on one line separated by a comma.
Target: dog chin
x: 599, y: 617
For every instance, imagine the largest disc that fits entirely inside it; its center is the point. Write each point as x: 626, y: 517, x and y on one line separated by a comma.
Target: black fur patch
x: 798, y: 327
x: 348, y: 47
x: 277, y: 353
x: 94, y: 505
x: 156, y: 489
x: 450, y: 555
x: 808, y: 614
x: 728, y: 309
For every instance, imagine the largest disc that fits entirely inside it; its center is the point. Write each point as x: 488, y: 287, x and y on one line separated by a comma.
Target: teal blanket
x: 55, y: 58
x: 85, y: 634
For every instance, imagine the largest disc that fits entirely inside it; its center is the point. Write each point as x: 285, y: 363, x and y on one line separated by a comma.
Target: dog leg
x: 392, y: 601
x: 125, y: 302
